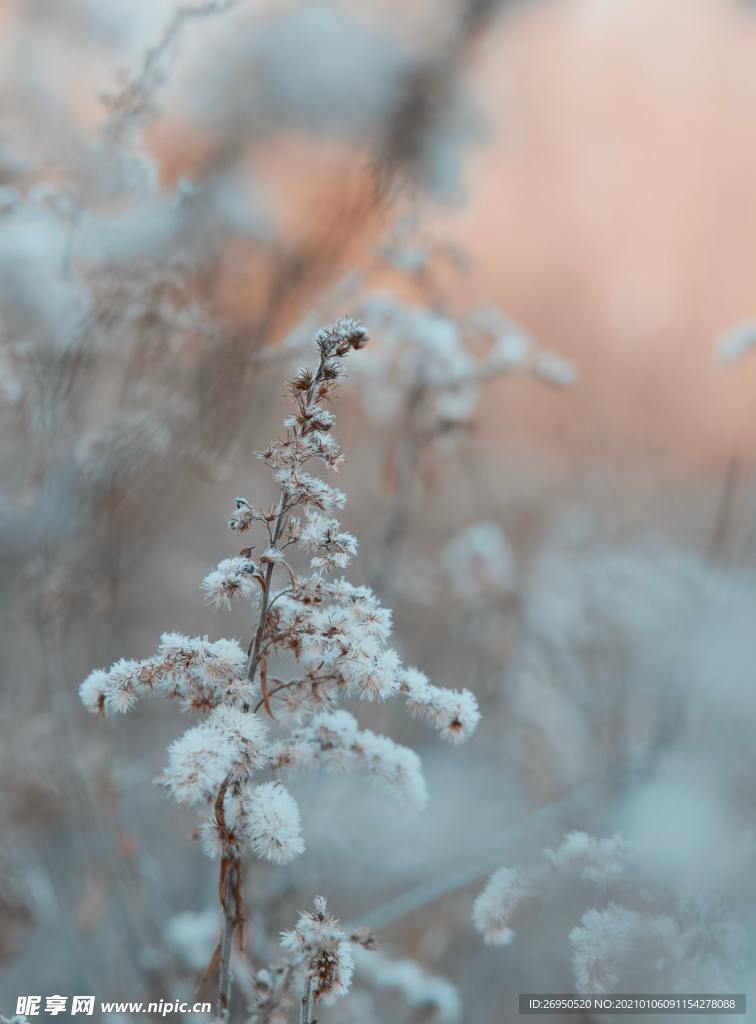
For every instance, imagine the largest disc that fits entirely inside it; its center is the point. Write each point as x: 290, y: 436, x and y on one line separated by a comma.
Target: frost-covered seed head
x: 242, y: 517
x: 272, y: 826
x: 232, y: 578
x: 319, y: 941
x: 342, y: 335
x: 92, y: 691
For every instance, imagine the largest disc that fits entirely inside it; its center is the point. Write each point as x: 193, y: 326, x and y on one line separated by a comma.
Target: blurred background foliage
x: 543, y: 210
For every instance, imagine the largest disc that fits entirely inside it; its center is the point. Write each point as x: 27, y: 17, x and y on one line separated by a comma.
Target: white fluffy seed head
x: 123, y: 687
x: 318, y: 940
x: 232, y: 578
x: 92, y: 691
x: 272, y: 826
x: 453, y: 713
x: 198, y: 762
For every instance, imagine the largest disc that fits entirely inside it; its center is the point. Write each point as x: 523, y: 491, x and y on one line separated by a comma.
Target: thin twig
x: 275, y: 690
x: 230, y: 897
x: 306, y: 1011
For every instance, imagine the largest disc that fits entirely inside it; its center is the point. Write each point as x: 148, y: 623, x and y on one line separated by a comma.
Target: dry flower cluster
x: 335, y: 635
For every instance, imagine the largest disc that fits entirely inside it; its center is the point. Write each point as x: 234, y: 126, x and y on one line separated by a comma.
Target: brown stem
x: 275, y: 690
x: 229, y: 891
x: 254, y: 657
x: 230, y: 882
x: 230, y: 871
x: 230, y: 887
x: 306, y: 1011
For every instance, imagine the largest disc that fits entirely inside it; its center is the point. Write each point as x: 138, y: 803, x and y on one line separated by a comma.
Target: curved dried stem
x: 230, y: 895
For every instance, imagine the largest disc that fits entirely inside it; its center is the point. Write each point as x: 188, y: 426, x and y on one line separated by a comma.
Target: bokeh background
x: 544, y: 212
